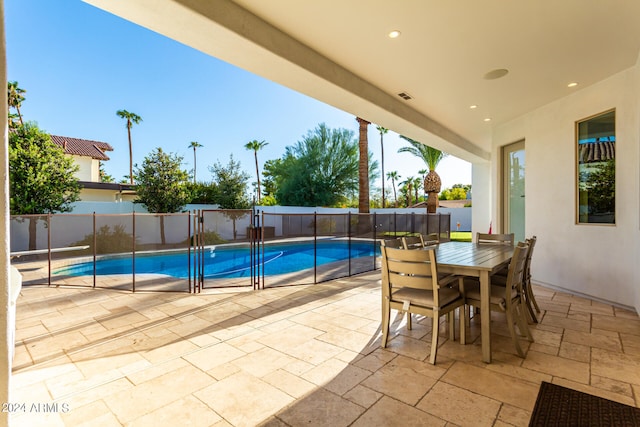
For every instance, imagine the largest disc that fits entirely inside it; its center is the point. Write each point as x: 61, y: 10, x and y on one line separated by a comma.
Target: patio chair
x: 506, y: 297
x: 392, y: 243
x: 529, y: 298
x: 431, y: 239
x: 413, y: 242
x: 411, y: 283
x: 494, y: 239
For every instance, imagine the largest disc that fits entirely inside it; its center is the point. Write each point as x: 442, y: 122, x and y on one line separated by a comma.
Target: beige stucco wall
x: 596, y: 260
x: 89, y: 168
x: 93, y: 195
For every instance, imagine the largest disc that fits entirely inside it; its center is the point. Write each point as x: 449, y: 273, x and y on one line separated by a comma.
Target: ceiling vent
x: 405, y: 96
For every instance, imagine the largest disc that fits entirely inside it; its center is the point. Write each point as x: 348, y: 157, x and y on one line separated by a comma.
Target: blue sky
x: 79, y: 65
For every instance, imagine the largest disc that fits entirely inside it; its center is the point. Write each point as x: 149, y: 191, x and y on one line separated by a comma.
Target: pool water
x: 230, y: 262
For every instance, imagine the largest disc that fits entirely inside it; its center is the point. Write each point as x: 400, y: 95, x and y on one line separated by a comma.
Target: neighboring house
x: 88, y: 154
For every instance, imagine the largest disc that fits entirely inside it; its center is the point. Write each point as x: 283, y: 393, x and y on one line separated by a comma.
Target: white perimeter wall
x: 596, y: 260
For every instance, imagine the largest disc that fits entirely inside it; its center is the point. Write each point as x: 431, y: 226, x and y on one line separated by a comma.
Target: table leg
x: 485, y: 316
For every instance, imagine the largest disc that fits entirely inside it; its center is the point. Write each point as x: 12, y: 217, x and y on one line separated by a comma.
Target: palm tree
x: 423, y: 174
x: 382, y: 131
x: 416, y: 186
x: 363, y: 167
x: 431, y: 156
x: 131, y: 119
x: 407, y: 185
x: 393, y: 176
x: 194, y: 145
x: 14, y: 99
x: 256, y: 145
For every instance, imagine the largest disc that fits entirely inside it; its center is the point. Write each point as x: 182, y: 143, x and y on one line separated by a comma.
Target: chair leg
x: 451, y: 324
x: 522, y: 321
x: 409, y: 326
x: 532, y: 298
x: 463, y: 324
x: 386, y: 316
x: 532, y: 313
x: 434, y: 340
x: 512, y: 331
x: 467, y: 315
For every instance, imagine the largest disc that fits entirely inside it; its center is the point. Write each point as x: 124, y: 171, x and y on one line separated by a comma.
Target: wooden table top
x: 472, y: 256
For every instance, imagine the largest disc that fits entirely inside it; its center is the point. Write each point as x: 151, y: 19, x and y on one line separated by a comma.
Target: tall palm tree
x: 256, y: 145
x: 14, y: 99
x: 194, y: 145
x: 131, y: 119
x: 382, y: 131
x: 431, y: 156
x: 393, y: 176
x: 363, y: 167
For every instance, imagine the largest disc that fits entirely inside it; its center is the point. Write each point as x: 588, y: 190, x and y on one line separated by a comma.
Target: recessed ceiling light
x: 473, y: 107
x: 496, y: 74
x: 394, y: 34
x: 488, y: 119
x: 572, y: 84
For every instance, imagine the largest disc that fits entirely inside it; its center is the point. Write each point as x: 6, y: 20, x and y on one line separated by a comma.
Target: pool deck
x: 297, y: 355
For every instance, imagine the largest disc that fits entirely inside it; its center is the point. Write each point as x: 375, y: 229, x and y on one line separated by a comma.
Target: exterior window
x: 596, y: 169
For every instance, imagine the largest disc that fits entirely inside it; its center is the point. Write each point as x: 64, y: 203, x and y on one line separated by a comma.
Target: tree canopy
x: 431, y: 156
x: 15, y: 96
x: 162, y: 184
x: 319, y: 170
x: 41, y: 176
x: 231, y: 184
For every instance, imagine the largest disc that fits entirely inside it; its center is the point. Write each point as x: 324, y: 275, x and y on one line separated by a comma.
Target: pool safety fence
x: 177, y: 252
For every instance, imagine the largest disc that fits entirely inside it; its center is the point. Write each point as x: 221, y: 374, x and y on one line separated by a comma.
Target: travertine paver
x: 298, y: 355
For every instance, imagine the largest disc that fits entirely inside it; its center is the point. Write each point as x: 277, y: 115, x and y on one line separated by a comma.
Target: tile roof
x: 82, y: 147
x: 599, y: 151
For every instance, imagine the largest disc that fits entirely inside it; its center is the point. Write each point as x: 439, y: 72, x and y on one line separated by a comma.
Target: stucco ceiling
x: 339, y: 52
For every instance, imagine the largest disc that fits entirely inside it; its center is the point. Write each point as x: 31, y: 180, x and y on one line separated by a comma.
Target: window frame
x: 578, y: 163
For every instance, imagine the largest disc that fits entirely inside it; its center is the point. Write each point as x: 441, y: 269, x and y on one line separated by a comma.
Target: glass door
x: 513, y: 189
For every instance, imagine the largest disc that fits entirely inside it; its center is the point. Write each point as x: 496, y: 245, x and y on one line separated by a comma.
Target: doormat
x: 561, y: 406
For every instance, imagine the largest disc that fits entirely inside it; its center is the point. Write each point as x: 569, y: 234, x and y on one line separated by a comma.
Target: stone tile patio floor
x: 299, y: 355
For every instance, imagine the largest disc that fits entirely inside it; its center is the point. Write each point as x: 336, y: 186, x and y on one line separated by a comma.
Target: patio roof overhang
x: 339, y: 53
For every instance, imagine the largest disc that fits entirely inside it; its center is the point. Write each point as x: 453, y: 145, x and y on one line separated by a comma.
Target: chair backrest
x: 413, y: 242
x: 410, y: 269
x: 515, y: 276
x: 495, y: 239
x: 431, y: 239
x: 392, y: 243
x: 527, y: 266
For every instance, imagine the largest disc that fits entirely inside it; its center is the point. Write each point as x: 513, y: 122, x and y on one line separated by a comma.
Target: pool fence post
x: 189, y: 243
x: 395, y: 224
x: 49, y: 244
x: 95, y: 249
x: 315, y: 244
x: 200, y: 239
x: 133, y: 251
x: 261, y: 256
x: 375, y: 237
x: 349, y: 239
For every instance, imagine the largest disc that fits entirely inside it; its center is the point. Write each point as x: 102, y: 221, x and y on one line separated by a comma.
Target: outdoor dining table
x: 473, y: 260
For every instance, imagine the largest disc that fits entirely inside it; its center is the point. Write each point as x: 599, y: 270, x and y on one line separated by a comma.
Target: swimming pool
x: 230, y: 261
